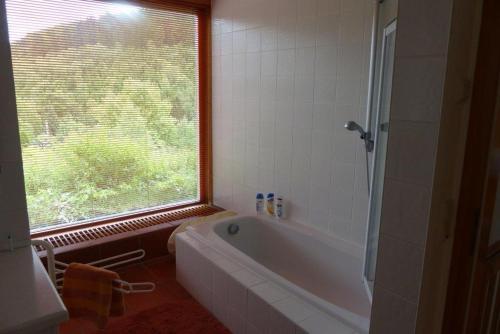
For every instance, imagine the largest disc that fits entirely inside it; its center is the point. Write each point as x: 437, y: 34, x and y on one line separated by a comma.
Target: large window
x: 107, y: 100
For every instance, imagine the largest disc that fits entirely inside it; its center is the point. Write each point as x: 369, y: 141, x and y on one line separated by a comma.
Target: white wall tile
x: 304, y: 60
x: 343, y: 177
x: 321, y: 149
x: 286, y: 33
x: 304, y: 90
x: 258, y: 312
x: 348, y: 90
x: 344, y: 145
x: 269, y: 63
x: 16, y: 224
x: 253, y: 42
x: 284, y: 108
x: 286, y: 62
x: 342, y: 204
x: 391, y: 313
x: 405, y: 211
x: 269, y: 38
x: 269, y: 292
x: 235, y: 323
x: 399, y: 267
x: 320, y: 324
x: 325, y: 86
x: 356, y: 6
x: 286, y: 9
x: 305, y: 33
x: 306, y: 8
x: 321, y: 172
x: 226, y: 65
x: 268, y: 91
x: 239, y: 41
x: 12, y: 194
x: 219, y: 309
x: 328, y: 6
x: 323, y: 117
x: 226, y: 46
x: 418, y: 89
x: 318, y: 219
x: 283, y: 91
x: 326, y: 59
x: 351, y: 29
x: 350, y: 60
x: 420, y: 62
x: 327, y: 29
x: 294, y: 309
x: 239, y: 65
x: 252, y: 330
x: 279, y: 324
x: 408, y: 140
x: 423, y: 27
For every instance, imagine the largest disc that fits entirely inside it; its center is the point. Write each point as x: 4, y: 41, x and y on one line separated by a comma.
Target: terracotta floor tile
x: 163, y: 270
x: 141, y: 301
x: 136, y: 273
x: 160, y: 271
x: 71, y: 326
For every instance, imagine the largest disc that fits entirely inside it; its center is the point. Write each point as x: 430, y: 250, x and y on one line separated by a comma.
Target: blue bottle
x: 259, y: 204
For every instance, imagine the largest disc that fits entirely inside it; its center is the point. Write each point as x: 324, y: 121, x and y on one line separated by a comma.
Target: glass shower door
x: 381, y: 131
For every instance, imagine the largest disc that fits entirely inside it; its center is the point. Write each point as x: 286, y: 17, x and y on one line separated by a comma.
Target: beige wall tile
x: 392, y: 314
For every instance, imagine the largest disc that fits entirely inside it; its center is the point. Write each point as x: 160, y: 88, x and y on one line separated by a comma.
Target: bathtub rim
x: 211, y: 239
x: 332, y: 240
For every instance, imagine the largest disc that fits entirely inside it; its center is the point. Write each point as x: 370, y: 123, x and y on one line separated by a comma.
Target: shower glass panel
x: 381, y: 130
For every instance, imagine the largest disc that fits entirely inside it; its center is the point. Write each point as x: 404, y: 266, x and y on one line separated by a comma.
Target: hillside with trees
x: 107, y: 112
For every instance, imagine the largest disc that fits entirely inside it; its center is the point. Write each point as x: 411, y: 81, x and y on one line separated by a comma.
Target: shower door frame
x: 390, y: 28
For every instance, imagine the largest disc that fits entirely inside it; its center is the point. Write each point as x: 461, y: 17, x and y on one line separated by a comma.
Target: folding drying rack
x: 56, y: 268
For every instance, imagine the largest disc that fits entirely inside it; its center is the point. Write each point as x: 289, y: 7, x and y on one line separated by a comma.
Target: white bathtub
x: 317, y: 270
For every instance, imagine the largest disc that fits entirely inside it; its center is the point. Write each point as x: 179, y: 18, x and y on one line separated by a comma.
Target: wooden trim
x: 494, y: 249
x: 204, y: 77
x: 185, y: 6
x: 189, y: 4
x: 474, y: 171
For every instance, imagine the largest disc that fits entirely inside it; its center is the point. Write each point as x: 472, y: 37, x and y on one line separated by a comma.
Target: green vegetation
x: 108, y: 117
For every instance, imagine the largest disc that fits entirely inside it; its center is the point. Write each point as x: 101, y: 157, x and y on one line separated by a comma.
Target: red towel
x: 88, y: 293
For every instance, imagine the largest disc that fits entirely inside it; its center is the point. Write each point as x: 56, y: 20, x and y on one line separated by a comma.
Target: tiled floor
x: 160, y: 271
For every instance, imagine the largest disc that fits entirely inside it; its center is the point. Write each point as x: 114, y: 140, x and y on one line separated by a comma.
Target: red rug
x: 182, y: 316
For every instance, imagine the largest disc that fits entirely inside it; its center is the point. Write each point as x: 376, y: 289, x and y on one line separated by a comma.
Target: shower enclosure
x: 381, y: 111
x: 375, y: 134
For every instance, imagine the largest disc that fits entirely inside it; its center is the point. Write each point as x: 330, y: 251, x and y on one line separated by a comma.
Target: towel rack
x: 56, y: 268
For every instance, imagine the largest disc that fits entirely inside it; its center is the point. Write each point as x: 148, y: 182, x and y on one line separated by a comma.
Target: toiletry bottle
x: 259, y: 205
x: 270, y: 204
x: 280, y: 213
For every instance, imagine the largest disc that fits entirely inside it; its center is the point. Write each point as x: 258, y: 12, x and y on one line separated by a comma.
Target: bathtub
x: 316, y: 271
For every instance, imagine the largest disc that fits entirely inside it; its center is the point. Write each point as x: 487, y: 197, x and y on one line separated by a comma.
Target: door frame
x: 475, y: 168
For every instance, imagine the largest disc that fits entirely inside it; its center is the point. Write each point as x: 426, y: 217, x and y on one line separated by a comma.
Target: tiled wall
x: 13, y: 212
x: 419, y: 72
x: 287, y: 74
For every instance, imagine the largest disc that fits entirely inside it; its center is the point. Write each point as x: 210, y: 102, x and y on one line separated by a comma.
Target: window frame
x: 202, y: 9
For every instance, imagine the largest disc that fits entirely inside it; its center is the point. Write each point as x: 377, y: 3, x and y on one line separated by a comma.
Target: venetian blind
x: 107, y: 100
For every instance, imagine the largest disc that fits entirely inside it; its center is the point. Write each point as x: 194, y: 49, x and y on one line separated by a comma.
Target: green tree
x: 107, y: 114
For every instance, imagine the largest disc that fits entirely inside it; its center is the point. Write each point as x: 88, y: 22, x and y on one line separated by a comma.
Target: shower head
x: 365, y: 136
x: 353, y: 126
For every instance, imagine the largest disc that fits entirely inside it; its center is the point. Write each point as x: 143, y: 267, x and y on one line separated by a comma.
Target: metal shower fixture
x: 364, y: 135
